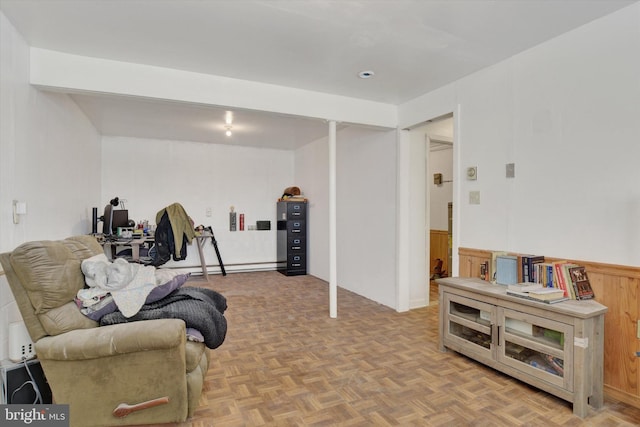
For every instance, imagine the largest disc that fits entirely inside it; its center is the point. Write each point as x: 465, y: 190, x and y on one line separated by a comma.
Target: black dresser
x: 292, y: 237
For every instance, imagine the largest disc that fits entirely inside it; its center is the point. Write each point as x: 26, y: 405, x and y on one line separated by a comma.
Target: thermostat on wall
x: 472, y: 173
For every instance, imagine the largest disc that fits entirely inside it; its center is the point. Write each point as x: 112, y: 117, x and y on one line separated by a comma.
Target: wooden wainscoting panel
x: 620, y: 295
x: 439, y: 249
x: 470, y: 261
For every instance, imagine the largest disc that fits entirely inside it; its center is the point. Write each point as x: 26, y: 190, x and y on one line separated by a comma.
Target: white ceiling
x: 413, y: 46
x: 146, y: 118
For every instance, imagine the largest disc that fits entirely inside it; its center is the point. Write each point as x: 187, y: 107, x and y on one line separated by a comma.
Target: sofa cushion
x: 65, y: 318
x: 49, y: 271
x: 194, y: 352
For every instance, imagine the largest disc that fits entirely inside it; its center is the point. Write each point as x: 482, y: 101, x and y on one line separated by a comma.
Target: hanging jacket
x: 174, y: 230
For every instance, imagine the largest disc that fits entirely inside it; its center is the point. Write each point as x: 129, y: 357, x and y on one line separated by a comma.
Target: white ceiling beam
x: 74, y: 73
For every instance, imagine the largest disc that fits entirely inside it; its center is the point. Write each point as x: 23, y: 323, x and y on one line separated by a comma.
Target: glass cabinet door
x: 468, y: 321
x: 536, y: 346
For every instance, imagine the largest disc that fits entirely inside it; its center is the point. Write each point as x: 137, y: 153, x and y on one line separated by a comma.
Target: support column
x: 403, y: 221
x: 333, y: 255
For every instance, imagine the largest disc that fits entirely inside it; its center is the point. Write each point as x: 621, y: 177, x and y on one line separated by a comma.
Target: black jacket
x: 165, y: 243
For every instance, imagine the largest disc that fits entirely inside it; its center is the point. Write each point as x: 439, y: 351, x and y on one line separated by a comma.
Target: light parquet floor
x: 286, y: 363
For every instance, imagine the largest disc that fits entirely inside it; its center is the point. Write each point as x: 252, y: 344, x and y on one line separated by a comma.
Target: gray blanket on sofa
x: 200, y: 308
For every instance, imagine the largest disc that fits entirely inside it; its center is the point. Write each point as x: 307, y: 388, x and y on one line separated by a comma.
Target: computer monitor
x: 107, y: 220
x: 114, y: 218
x: 120, y: 219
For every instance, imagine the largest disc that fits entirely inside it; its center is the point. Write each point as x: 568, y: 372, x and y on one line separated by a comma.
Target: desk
x: 200, y: 241
x: 201, y: 238
x: 136, y: 242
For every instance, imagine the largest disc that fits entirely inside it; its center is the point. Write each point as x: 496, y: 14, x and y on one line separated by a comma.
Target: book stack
x: 571, y: 278
x: 517, y: 272
x: 528, y: 263
x: 536, y: 292
x: 548, y: 295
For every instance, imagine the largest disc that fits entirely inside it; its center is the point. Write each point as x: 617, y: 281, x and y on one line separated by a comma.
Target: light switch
x: 511, y: 170
x: 474, y: 197
x: 21, y: 208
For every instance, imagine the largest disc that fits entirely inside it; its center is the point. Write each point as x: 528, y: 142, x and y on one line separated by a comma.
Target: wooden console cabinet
x: 618, y: 288
x: 555, y: 347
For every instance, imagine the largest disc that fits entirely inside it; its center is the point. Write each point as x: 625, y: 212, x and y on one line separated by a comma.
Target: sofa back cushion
x: 65, y: 318
x: 50, y: 273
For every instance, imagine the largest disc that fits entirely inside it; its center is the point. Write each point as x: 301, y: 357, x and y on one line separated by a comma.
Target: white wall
x: 366, y: 211
x: 440, y: 161
x: 49, y: 158
x: 366, y: 219
x: 312, y: 176
x: 427, y: 204
x: 152, y: 174
x: 566, y: 113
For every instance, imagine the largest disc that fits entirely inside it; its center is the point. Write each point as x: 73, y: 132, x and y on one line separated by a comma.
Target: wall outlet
x: 20, y: 344
x: 208, y: 212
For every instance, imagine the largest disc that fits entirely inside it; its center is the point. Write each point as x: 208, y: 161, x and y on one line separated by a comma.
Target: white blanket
x: 128, y: 283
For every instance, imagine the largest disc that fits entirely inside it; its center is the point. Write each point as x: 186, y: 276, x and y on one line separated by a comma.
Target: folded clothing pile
x: 201, y: 309
x: 121, y: 292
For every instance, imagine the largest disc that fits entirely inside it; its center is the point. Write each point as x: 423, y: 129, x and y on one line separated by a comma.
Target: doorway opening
x: 439, y: 200
x: 427, y: 205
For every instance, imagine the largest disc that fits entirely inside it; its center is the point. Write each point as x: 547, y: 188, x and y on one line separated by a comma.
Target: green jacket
x: 181, y: 225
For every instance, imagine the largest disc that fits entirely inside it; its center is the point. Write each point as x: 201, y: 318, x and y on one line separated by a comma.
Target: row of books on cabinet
x: 530, y: 276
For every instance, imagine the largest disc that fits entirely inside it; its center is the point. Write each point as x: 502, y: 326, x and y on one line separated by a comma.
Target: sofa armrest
x: 83, y: 344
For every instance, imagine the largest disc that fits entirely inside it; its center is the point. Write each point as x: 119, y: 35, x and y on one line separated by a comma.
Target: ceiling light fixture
x: 366, y: 74
x: 228, y: 119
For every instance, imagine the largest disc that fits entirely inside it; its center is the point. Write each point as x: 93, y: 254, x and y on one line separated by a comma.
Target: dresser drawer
x: 297, y: 244
x: 297, y: 261
x: 296, y: 228
x: 296, y: 210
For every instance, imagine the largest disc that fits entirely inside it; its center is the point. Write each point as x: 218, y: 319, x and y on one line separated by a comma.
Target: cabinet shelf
x: 556, y: 348
x: 535, y: 343
x: 475, y: 319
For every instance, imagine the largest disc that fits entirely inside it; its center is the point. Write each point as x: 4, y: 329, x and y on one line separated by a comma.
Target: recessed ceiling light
x: 366, y: 74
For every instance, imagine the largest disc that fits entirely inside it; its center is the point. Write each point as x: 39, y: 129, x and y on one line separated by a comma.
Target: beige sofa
x: 95, y: 369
